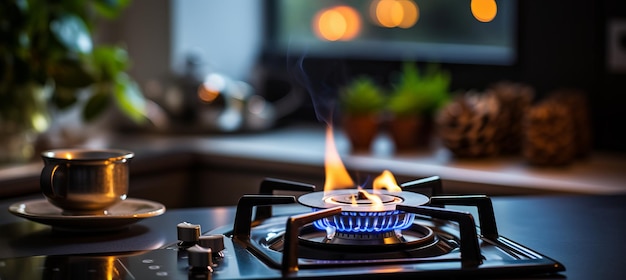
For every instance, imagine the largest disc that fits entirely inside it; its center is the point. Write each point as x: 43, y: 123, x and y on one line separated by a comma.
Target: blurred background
x: 229, y: 92
x: 547, y: 45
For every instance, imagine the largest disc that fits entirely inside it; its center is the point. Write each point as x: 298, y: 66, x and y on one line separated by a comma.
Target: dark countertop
x: 582, y: 232
x: 20, y: 237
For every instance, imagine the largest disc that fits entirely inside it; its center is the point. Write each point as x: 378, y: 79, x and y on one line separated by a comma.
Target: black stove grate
x: 293, y: 245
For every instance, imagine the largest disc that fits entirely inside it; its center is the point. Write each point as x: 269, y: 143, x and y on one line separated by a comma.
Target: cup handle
x: 47, y: 180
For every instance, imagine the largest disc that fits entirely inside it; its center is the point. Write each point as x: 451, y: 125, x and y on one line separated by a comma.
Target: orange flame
x: 376, y: 204
x: 386, y: 180
x: 337, y: 176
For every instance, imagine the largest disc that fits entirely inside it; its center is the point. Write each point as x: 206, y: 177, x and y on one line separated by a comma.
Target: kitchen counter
x: 180, y: 165
x: 582, y: 232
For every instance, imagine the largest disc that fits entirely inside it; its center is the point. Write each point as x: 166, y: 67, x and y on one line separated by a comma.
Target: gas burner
x: 345, y: 198
x: 364, y: 226
x: 360, y: 218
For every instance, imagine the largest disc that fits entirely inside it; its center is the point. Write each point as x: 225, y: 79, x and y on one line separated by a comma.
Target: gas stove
x: 337, y: 234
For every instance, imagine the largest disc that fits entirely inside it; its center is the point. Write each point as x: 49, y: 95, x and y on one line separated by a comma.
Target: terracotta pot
x: 426, y: 131
x: 361, y: 131
x: 404, y: 132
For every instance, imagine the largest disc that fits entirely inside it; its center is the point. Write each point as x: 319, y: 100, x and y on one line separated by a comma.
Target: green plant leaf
x: 129, y: 98
x: 419, y: 94
x: 96, y: 105
x: 110, y: 61
x: 72, y: 32
x: 405, y: 103
x: 48, y: 42
x: 362, y: 96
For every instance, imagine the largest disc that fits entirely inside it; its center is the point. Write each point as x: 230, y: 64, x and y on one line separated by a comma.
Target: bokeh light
x: 394, y: 13
x: 484, y: 10
x: 211, y: 88
x: 339, y: 23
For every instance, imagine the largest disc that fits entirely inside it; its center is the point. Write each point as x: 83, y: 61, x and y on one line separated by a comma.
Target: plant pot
x: 361, y: 131
x: 404, y: 132
x: 410, y: 132
x: 425, y: 133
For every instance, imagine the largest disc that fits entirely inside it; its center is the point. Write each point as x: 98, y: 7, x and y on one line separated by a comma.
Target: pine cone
x: 549, y: 134
x: 576, y: 101
x: 468, y: 125
x: 515, y: 100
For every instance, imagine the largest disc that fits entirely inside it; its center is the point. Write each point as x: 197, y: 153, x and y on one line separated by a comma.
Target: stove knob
x: 214, y: 241
x: 188, y: 233
x: 200, y: 258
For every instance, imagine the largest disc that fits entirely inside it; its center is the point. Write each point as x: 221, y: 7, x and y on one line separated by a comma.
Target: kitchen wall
x: 160, y: 34
x: 608, y: 103
x: 562, y: 44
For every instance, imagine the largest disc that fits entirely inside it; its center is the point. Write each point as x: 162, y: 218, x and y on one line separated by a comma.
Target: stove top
x: 416, y: 237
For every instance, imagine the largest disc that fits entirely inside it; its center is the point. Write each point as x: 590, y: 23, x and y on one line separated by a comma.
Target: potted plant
x: 413, y: 100
x: 362, y: 102
x: 48, y: 60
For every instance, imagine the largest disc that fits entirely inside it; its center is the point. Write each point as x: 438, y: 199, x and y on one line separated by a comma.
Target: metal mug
x: 85, y: 181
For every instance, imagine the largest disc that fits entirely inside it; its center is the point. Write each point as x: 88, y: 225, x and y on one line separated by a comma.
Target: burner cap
x: 343, y: 198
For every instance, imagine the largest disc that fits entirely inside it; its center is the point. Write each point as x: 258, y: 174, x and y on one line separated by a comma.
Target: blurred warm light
x: 411, y: 13
x: 337, y: 23
x: 383, y: 11
x: 211, y: 88
x: 206, y: 94
x: 330, y: 25
x: 394, y: 13
x: 484, y: 10
x: 111, y: 271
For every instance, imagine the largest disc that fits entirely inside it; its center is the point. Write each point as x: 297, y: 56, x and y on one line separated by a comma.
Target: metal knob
x: 188, y: 233
x: 215, y: 242
x: 200, y: 258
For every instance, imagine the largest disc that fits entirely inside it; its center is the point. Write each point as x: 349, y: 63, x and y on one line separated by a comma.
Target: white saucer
x: 118, y: 216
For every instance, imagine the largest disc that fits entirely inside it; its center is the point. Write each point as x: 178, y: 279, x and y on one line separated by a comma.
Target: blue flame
x: 366, y: 222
